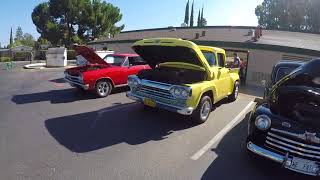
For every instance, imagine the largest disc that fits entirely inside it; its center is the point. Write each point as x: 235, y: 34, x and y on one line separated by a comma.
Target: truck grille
x: 160, y: 93
x: 285, y: 144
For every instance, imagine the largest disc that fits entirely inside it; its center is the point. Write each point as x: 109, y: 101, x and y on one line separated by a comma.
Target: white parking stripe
x: 227, y: 128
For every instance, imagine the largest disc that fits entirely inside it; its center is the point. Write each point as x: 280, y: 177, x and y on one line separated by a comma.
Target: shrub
x: 21, y: 56
x: 40, y: 55
x: 71, y: 54
x: 5, y: 59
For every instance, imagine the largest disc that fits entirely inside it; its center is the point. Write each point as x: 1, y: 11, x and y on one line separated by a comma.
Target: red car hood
x: 89, y: 55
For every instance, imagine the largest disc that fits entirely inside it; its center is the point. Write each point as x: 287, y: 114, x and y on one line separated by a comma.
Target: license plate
x: 303, y: 165
x: 149, y: 102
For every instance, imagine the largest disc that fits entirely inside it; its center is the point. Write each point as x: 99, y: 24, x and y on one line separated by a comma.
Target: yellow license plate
x: 149, y: 102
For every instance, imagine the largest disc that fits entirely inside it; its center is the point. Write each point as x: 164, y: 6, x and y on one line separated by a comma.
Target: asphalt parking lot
x: 49, y: 130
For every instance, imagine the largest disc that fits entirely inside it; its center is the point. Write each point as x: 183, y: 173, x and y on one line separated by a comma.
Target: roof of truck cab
x: 210, y: 48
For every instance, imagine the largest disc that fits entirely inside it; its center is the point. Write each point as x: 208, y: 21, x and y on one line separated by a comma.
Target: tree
x: 28, y: 40
x: 186, y: 14
x: 199, y: 20
x: 11, y: 38
x: 292, y: 15
x: 75, y: 21
x: 19, y: 34
x: 191, y: 16
x: 203, y: 22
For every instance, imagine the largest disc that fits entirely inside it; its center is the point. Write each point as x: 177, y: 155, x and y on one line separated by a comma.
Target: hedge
x: 71, y: 54
x: 5, y: 59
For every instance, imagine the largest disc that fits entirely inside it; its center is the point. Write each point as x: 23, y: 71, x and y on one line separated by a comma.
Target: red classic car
x: 102, y: 75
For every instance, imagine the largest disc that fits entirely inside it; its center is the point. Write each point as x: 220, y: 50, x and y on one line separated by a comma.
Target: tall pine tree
x: 199, y: 19
x: 191, y: 16
x: 11, y: 38
x: 186, y: 14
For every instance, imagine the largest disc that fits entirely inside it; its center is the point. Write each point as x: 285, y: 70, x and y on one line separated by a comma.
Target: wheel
x: 103, y: 88
x: 232, y: 97
x: 201, y: 114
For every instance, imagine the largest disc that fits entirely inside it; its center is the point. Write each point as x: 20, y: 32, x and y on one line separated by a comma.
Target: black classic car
x: 285, y: 127
x: 281, y: 69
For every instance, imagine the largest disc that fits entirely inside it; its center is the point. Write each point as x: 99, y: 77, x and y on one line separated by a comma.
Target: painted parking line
x: 224, y: 131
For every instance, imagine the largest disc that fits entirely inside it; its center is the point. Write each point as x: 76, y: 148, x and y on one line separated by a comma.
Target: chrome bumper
x: 77, y: 84
x: 281, y: 159
x: 180, y: 110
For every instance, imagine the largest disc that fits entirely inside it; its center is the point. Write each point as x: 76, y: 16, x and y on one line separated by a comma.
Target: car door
x: 224, y: 78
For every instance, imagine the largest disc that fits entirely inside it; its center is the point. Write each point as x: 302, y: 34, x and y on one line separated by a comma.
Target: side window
x: 221, y: 60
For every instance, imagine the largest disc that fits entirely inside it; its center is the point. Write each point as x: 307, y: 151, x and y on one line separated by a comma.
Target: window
x: 136, y: 61
x: 114, y: 60
x: 221, y: 60
x: 210, y: 58
x: 282, y: 72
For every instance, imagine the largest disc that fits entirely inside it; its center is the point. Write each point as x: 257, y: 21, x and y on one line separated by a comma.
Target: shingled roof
x: 222, y: 34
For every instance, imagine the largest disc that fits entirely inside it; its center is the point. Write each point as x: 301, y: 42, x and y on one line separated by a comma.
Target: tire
x: 103, y: 88
x: 201, y: 114
x: 232, y: 97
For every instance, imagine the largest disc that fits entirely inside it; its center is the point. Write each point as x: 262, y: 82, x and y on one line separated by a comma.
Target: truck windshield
x: 210, y: 58
x: 114, y: 60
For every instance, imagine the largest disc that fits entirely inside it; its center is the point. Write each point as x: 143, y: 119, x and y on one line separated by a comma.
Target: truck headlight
x: 263, y: 122
x: 133, y: 81
x: 180, y: 91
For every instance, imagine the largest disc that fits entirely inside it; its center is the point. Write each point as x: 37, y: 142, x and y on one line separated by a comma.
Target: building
x: 261, y: 56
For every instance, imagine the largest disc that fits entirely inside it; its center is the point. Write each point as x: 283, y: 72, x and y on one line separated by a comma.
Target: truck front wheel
x: 232, y: 97
x: 201, y: 114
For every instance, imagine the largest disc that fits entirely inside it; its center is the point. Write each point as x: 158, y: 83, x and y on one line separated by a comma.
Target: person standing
x: 236, y: 61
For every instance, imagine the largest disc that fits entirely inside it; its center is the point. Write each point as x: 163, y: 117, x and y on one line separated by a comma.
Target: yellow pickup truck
x: 184, y: 77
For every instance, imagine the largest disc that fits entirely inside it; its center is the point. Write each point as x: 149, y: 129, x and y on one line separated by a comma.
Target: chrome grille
x: 160, y: 93
x: 285, y: 145
x: 73, y: 78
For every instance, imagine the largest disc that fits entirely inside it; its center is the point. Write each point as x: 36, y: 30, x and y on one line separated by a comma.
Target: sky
x: 139, y: 14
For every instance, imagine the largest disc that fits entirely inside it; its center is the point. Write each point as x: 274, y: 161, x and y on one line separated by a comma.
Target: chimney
x: 197, y: 36
x: 203, y: 33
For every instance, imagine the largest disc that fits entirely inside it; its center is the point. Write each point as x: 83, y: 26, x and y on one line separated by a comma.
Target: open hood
x: 89, y: 55
x: 161, y: 50
x: 297, y: 96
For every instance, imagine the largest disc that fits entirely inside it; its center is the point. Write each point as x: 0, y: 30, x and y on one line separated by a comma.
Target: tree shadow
x: 54, y: 96
x: 125, y: 123
x: 233, y: 161
x: 60, y: 96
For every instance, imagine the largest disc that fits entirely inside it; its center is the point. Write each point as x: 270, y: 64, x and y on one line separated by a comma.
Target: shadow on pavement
x: 233, y: 162
x: 60, y: 96
x: 54, y: 96
x: 126, y: 123
x: 59, y: 80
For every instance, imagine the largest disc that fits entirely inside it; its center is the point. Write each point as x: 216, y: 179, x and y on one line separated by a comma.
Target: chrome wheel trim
x: 103, y: 88
x: 236, y: 90
x: 205, y: 110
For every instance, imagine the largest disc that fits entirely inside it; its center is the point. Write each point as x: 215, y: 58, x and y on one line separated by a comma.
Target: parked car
x: 185, y: 78
x: 285, y: 128
x: 102, y: 75
x: 280, y: 70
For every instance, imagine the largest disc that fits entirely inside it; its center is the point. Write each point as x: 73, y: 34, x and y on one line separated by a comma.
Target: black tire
x: 200, y: 115
x: 232, y: 97
x: 103, y: 88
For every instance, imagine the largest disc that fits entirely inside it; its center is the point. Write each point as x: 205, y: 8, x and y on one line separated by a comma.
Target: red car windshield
x: 114, y: 60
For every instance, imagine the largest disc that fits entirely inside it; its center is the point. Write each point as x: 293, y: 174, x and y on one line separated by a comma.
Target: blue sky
x: 139, y: 14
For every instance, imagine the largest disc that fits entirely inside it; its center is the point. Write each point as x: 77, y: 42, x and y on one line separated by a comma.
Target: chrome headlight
x: 180, y: 91
x: 133, y: 81
x: 263, y: 122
